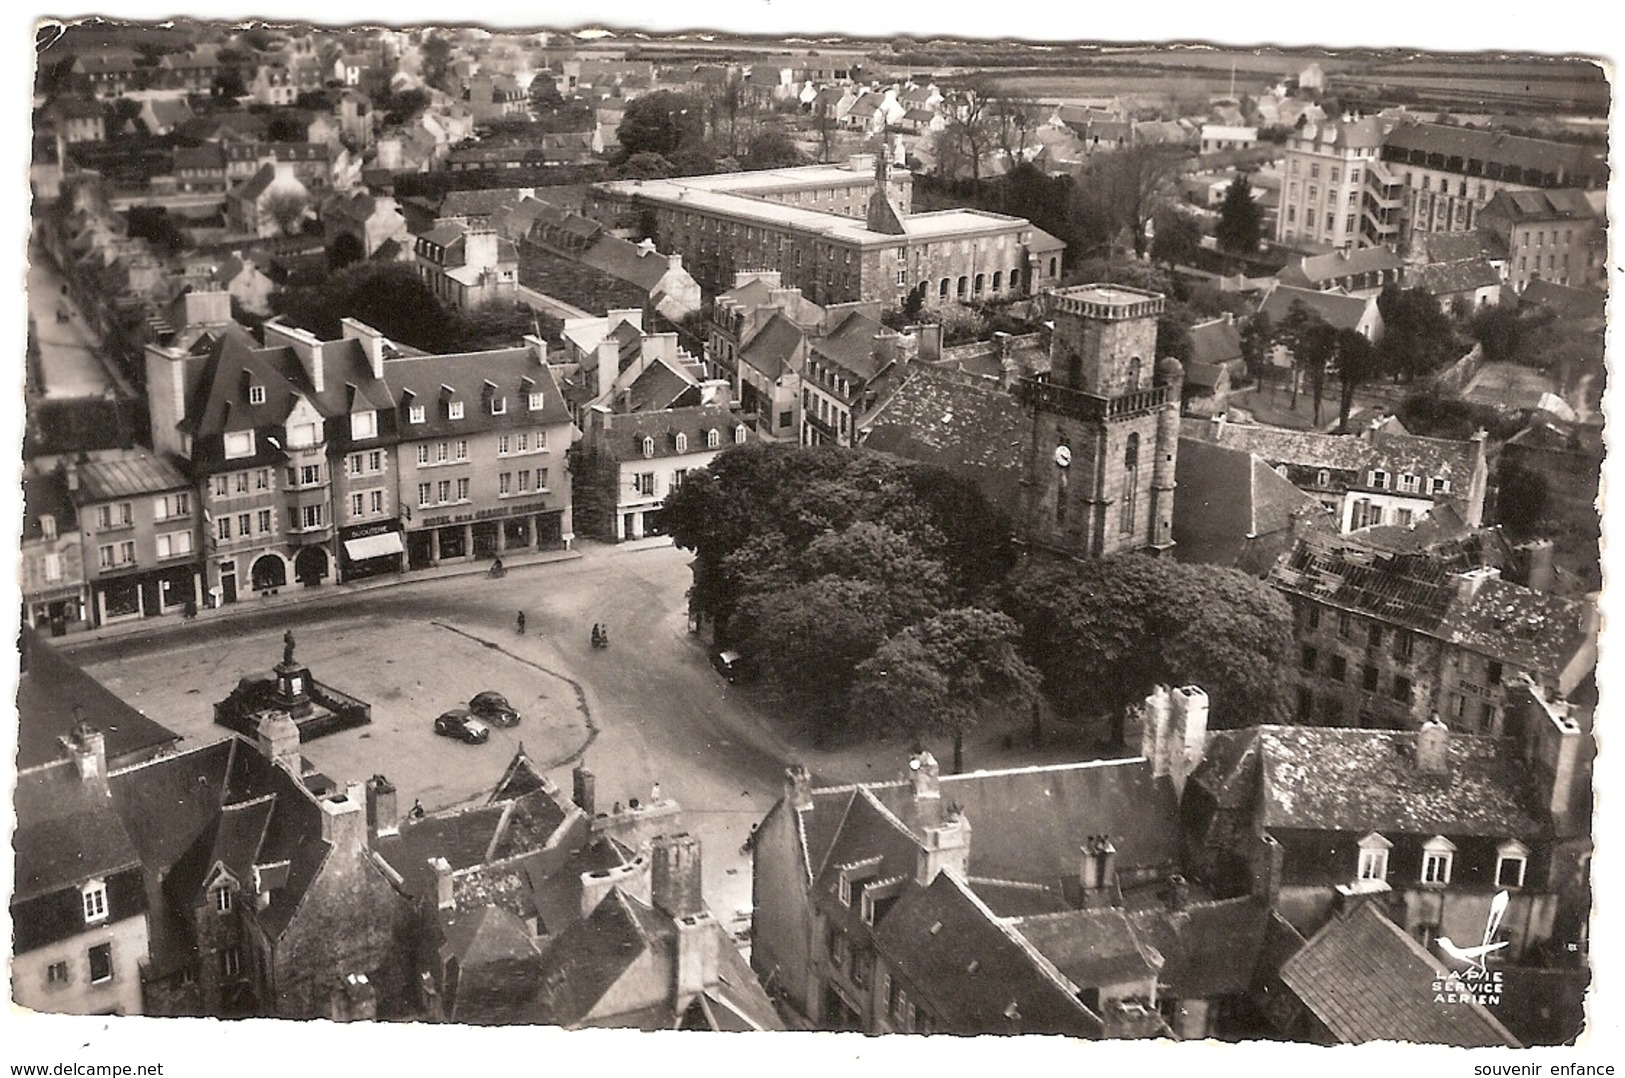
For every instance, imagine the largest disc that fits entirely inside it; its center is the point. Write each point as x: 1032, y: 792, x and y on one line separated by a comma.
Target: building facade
x: 1323, y: 191
x: 139, y: 524
x: 1105, y: 427
x: 838, y: 234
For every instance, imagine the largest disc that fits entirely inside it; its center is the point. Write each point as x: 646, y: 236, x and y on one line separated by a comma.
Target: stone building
x: 1389, y: 637
x: 1105, y: 427
x: 838, y: 233
x: 139, y: 523
x: 1552, y: 236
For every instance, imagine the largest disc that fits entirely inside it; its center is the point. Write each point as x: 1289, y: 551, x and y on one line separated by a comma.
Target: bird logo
x: 1472, y: 956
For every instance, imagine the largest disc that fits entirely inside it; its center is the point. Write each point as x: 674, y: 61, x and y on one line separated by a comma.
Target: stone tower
x: 1099, y: 474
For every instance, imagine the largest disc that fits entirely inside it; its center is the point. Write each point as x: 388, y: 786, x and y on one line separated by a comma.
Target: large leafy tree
x: 1241, y: 219
x: 1103, y: 632
x: 662, y: 122
x: 972, y: 128
x: 1418, y: 338
x: 1127, y: 184
x: 1357, y: 364
x: 941, y: 676
x: 771, y: 149
x: 1178, y: 236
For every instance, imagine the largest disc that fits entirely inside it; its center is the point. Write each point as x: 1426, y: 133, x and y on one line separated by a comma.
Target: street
x: 647, y: 710
x: 68, y: 359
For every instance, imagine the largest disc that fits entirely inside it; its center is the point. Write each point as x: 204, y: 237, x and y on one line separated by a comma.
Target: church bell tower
x: 1099, y: 474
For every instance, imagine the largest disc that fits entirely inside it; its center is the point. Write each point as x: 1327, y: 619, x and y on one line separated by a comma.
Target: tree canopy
x: 662, y: 122
x: 771, y: 149
x: 1241, y: 219
x: 1104, y: 632
x: 1418, y: 338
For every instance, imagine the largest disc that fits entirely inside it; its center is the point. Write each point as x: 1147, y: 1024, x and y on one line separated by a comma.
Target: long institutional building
x: 1365, y: 182
x: 839, y: 233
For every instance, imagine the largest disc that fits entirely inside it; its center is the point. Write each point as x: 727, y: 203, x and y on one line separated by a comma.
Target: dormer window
x: 221, y: 899
x: 417, y: 413
x: 364, y: 425
x: 1410, y: 484
x: 713, y: 438
x: 648, y: 446
x: 681, y: 442
x: 256, y: 394
x: 1438, y: 858
x: 47, y: 525
x: 499, y: 405
x: 1373, y: 863
x: 303, y: 434
x: 1323, y: 478
x: 239, y: 443
x: 1439, y: 485
x: 739, y: 434
x: 1379, y: 479
x: 536, y: 401
x: 1511, y: 862
x: 93, y: 896
x: 454, y: 409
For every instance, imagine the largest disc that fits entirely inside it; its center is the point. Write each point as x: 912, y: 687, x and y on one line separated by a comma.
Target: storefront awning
x: 374, y: 546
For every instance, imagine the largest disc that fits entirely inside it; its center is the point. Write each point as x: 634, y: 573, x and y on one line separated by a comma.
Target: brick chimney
x: 480, y: 248
x: 944, y: 847
x: 675, y: 875
x: 1097, y: 866
x: 1433, y: 748
x: 797, y: 787
x: 584, y: 786
x: 383, y: 811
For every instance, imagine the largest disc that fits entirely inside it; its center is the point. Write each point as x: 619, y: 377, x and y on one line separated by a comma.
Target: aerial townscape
x: 906, y: 536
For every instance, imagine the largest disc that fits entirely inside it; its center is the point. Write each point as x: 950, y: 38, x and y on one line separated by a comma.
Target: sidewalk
x: 298, y: 594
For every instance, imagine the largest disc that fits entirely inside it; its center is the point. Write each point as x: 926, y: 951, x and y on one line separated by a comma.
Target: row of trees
x: 883, y: 597
x: 665, y: 133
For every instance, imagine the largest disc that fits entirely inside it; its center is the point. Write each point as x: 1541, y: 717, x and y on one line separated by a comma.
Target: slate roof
x: 970, y: 427
x: 659, y: 387
x: 67, y: 831
x: 623, y: 440
x: 1565, y: 204
x: 1312, y: 270
x: 851, y: 345
x: 515, y: 371
x: 1351, y: 134
x: 1338, y: 310
x: 127, y: 477
x: 1208, y: 948
x: 1233, y: 509
x: 585, y: 961
x: 1025, y: 821
x: 46, y: 694
x: 1092, y: 948
x: 772, y: 348
x: 481, y: 203
x: 1358, y: 781
x: 974, y: 972
x: 1366, y: 980
x: 1460, y: 246
x: 1564, y: 299
x: 625, y: 261
x: 1412, y: 590
x: 207, y: 156
x: 47, y: 496
x: 1447, y: 278
x: 1534, y: 631
x: 1575, y: 161
x: 1216, y: 341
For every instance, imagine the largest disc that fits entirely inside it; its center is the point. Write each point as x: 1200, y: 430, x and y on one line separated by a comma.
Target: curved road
x: 662, y: 714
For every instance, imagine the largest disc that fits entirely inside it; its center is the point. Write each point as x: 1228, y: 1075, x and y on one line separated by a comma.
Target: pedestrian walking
x: 520, y: 622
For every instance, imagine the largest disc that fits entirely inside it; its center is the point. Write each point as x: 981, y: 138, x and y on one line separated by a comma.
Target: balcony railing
x: 1081, y: 405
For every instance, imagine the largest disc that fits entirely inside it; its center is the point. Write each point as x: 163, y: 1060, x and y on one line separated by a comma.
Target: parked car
x: 459, y: 724
x: 733, y: 666
x: 493, y: 708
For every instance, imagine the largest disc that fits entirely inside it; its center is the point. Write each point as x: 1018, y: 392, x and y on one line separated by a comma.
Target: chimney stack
x: 1155, y: 718
x: 89, y: 748
x: 584, y: 786
x: 675, y: 875
x: 1097, y: 869
x: 1433, y: 748
x: 797, y: 787
x: 927, y: 782
x: 945, y: 847
x: 696, y: 956
x: 278, y: 740
x: 344, y: 819
x: 383, y: 811
x: 1187, y: 734
x: 444, y: 899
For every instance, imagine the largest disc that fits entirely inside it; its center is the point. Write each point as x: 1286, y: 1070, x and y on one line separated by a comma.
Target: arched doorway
x: 310, y: 566
x: 268, y: 572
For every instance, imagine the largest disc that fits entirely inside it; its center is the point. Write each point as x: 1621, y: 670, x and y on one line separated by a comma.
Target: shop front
x: 370, y: 550
x: 58, y: 612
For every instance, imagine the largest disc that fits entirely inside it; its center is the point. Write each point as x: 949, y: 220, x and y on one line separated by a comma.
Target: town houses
x: 1209, y: 466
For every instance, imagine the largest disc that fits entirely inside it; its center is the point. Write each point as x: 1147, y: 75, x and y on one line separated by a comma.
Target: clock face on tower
x: 1063, y: 456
